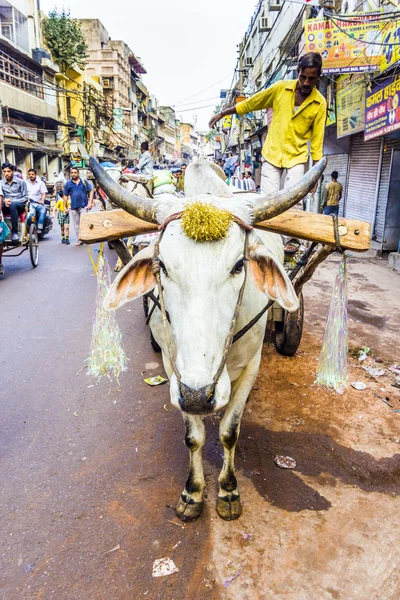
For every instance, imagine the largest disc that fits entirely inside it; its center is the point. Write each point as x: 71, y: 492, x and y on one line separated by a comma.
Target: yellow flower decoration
x: 205, y: 222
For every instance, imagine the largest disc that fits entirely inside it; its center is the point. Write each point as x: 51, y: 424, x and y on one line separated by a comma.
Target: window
x: 14, y: 25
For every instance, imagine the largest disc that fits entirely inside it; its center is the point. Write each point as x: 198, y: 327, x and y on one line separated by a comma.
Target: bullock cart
x: 213, y: 276
x: 324, y: 233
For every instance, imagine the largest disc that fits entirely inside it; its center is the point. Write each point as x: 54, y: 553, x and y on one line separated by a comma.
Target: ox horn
x: 271, y: 205
x: 142, y: 208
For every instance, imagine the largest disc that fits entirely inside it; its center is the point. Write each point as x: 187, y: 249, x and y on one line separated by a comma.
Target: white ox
x: 201, y: 284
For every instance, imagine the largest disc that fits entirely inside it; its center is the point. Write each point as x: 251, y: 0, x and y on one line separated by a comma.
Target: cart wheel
x: 288, y: 332
x: 34, y: 245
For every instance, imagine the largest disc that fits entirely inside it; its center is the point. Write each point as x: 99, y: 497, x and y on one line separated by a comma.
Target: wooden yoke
x: 354, y: 235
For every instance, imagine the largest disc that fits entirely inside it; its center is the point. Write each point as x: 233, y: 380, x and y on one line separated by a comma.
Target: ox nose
x: 197, y: 402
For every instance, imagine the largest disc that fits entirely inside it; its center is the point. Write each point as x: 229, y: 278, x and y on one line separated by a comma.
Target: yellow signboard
x: 346, y: 47
x: 350, y: 102
x: 390, y: 39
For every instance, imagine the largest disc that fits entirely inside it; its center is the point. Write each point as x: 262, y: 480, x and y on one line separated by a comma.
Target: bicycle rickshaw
x: 28, y: 237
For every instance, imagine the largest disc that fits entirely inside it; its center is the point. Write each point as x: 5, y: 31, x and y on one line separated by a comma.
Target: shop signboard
x: 346, y: 47
x: 391, y: 45
x: 382, y: 109
x: 118, y: 119
x: 350, y: 103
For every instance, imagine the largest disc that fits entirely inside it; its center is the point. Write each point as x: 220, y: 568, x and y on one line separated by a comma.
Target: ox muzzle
x: 197, y: 402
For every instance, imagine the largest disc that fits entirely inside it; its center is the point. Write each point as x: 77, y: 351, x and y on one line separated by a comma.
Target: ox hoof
x: 188, y: 510
x: 230, y: 509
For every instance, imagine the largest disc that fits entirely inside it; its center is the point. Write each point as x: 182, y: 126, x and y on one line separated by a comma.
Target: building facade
x: 28, y: 91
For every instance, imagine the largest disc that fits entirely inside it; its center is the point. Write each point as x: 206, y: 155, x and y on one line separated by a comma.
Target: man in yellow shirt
x: 334, y: 191
x: 299, y: 115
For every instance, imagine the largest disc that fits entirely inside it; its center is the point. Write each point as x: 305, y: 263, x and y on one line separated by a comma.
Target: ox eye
x: 238, y: 268
x: 162, y: 266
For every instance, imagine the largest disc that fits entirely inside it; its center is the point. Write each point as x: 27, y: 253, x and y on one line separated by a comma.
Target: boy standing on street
x: 62, y: 210
x: 77, y: 191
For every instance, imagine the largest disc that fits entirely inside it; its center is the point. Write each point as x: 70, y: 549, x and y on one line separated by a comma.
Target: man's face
x: 247, y: 175
x: 308, y: 78
x: 8, y: 174
x: 183, y: 168
x: 74, y: 174
x: 32, y: 175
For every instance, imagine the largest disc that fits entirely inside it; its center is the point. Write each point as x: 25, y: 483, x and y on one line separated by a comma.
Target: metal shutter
x: 362, y: 178
x: 389, y: 145
x: 338, y: 162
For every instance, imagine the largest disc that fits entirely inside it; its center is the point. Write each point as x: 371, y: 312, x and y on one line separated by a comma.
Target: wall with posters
x: 382, y: 110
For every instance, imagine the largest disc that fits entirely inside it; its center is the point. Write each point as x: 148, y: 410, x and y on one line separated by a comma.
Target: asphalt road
x: 89, y: 471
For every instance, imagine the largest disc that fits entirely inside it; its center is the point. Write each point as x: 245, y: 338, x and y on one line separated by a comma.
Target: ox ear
x: 135, y: 280
x: 270, y: 277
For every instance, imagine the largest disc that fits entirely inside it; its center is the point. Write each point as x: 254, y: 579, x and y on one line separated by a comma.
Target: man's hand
x: 214, y: 120
x: 7, y: 201
x: 90, y: 206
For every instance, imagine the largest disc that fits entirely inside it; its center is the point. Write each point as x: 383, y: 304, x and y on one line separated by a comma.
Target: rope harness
x: 165, y: 317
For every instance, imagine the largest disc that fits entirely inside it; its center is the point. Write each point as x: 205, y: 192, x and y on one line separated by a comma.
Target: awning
x: 14, y: 143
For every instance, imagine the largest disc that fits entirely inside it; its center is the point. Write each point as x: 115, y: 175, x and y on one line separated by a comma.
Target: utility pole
x: 241, y: 123
x: 2, y: 153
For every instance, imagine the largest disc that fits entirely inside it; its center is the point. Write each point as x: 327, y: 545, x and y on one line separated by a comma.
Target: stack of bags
x: 163, y: 183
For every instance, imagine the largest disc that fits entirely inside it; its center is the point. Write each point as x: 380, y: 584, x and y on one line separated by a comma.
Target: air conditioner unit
x: 264, y: 24
x: 248, y: 61
x: 275, y: 4
x: 108, y: 84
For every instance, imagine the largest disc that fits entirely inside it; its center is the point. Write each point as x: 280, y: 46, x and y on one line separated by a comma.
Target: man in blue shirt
x: 15, y: 197
x: 78, y: 190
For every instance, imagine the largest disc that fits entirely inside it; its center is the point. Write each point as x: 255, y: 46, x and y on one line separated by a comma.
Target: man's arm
x: 259, y: 101
x: 317, y: 137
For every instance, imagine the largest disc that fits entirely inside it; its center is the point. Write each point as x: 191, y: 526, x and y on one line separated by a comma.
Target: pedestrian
x: 146, y: 165
x: 299, y: 116
x: 62, y: 209
x: 37, y: 195
x: 15, y: 197
x: 78, y: 190
x: 334, y: 191
x: 249, y: 181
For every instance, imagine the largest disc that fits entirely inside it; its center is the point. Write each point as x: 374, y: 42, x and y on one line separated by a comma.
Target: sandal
x: 291, y: 247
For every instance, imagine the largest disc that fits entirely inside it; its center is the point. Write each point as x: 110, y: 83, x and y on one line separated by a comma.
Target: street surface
x: 90, y: 472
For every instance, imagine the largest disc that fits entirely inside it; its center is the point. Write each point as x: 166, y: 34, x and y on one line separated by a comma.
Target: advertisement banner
x: 391, y: 39
x: 346, y: 47
x: 350, y: 103
x: 382, y: 110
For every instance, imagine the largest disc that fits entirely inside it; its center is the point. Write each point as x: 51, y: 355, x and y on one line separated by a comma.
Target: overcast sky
x: 186, y: 46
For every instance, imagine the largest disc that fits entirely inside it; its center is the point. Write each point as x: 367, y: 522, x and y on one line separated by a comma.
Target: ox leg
x: 229, y: 506
x: 190, y: 504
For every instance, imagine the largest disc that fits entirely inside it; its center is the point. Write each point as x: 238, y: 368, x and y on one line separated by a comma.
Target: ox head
x: 201, y: 281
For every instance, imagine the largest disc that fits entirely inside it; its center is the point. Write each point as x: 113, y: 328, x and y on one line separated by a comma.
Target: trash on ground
x: 363, y: 353
x: 395, y: 369
x: 375, y: 371
x: 285, y: 462
x: 176, y: 545
x: 396, y: 382
x: 358, y: 385
x: 166, y: 409
x: 247, y: 536
x: 76, y: 413
x: 117, y: 547
x: 163, y: 567
x: 158, y: 380
x: 229, y: 581
x: 385, y: 400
